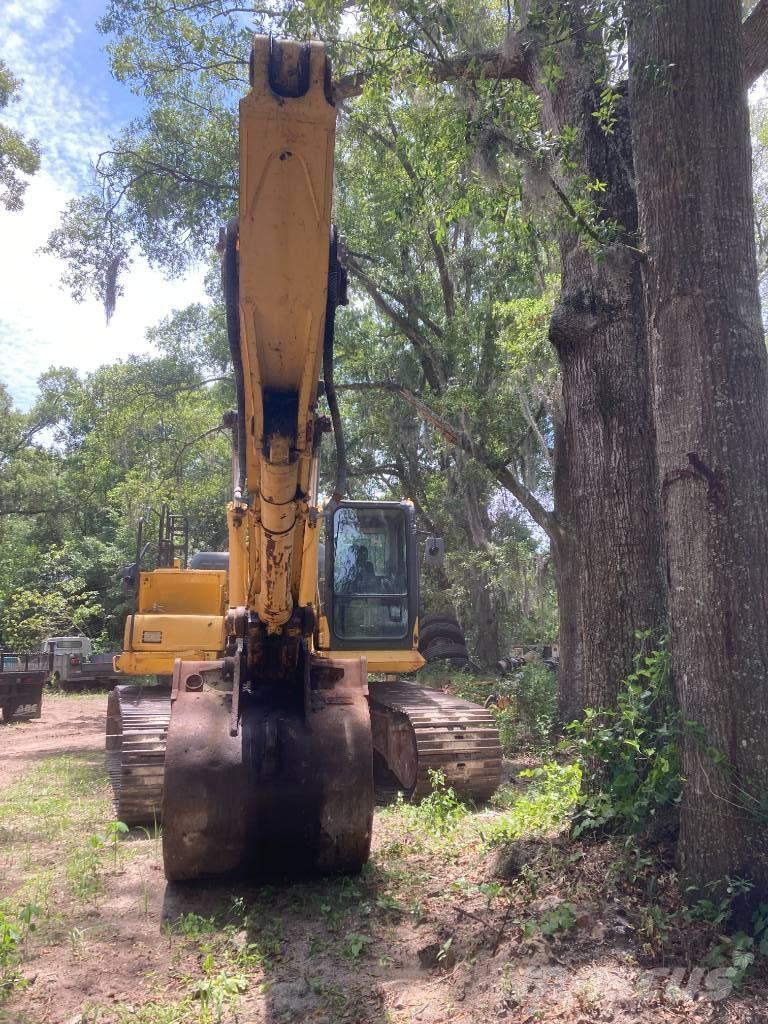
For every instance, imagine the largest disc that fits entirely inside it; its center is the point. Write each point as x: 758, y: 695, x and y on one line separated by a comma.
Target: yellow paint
x: 185, y: 591
x: 174, y: 632
x: 143, y: 663
x: 286, y: 189
x: 394, y: 662
x: 237, y: 524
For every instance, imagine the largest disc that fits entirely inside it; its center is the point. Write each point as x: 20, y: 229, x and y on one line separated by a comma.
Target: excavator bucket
x: 290, y: 794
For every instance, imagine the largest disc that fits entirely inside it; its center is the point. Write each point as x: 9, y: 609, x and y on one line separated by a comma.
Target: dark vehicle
x: 22, y: 677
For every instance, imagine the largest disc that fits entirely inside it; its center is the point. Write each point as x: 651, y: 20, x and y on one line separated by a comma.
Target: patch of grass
x: 333, y: 998
x: 546, y: 806
x: 55, y: 690
x: 83, y: 873
x: 152, y: 1013
x: 438, y: 814
x: 61, y: 801
x: 60, y: 797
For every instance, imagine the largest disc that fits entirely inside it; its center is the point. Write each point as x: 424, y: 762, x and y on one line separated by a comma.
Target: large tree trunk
x: 565, y: 556
x: 598, y: 330
x: 710, y: 390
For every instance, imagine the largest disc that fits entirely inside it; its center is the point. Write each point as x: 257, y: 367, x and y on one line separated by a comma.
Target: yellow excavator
x: 258, y: 752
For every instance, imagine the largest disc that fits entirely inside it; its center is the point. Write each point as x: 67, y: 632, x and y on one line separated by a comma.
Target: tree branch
x: 511, y: 61
x: 531, y: 420
x: 543, y: 518
x: 755, y: 36
x: 433, y: 371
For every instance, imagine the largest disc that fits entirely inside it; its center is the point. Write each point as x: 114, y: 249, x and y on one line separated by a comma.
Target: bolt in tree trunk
x: 710, y: 391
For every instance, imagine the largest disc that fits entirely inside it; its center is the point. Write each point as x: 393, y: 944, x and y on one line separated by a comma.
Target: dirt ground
x: 426, y: 934
x: 67, y: 724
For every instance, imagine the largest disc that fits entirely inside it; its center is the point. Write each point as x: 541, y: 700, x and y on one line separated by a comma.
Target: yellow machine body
x: 180, y: 613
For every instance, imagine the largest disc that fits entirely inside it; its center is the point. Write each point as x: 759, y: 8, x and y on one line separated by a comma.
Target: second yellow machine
x: 260, y: 754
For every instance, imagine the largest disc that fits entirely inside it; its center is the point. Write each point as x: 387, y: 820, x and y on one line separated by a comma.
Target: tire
x: 441, y: 631
x: 432, y: 617
x: 441, y: 650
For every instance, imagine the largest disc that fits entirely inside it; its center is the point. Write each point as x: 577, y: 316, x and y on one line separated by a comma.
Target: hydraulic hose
x: 231, y: 286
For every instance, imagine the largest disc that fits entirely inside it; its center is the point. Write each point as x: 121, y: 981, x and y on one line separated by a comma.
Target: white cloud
x: 41, y: 326
x: 68, y: 113
x: 59, y: 104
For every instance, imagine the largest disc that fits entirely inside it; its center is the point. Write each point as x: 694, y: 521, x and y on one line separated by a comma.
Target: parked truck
x: 74, y: 666
x: 22, y: 677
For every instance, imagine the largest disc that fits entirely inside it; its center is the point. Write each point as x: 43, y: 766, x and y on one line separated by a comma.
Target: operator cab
x: 371, y: 574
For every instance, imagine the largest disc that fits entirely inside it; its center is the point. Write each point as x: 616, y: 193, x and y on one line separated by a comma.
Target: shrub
x: 630, y: 757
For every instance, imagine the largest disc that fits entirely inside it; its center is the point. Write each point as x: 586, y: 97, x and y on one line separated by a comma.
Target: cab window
x: 370, y: 593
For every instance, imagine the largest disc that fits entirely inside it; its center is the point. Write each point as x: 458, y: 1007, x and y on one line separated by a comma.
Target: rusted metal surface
x: 137, y: 726
x: 416, y: 729
x: 288, y: 795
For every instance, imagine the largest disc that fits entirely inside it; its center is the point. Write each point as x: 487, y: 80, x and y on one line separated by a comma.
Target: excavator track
x: 417, y: 730
x: 137, y: 730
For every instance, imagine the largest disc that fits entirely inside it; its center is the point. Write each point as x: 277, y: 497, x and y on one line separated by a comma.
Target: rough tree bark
x: 710, y: 400
x: 598, y: 331
x: 565, y: 555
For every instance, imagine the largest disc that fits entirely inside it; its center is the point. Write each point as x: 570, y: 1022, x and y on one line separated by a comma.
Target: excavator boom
x: 287, y: 133
x: 269, y: 752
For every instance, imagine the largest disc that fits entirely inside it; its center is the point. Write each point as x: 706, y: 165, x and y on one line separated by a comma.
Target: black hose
x: 231, y: 285
x: 336, y: 297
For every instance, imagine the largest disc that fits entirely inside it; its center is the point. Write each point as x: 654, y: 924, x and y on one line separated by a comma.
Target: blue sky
x: 71, y: 104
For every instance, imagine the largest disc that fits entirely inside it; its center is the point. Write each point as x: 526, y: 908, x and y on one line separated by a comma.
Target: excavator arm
x: 269, y: 752
x: 279, y: 265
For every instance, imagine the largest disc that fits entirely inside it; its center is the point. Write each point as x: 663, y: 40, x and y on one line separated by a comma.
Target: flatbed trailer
x: 22, y: 677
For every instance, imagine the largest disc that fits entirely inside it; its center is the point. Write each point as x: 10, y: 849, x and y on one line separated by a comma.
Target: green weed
x: 215, y: 991
x: 630, y: 756
x: 334, y: 998
x: 14, y: 929
x: 438, y: 814
x: 355, y: 945
x: 547, y: 804
x: 155, y: 1013
x: 192, y: 926
x: 559, y: 919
